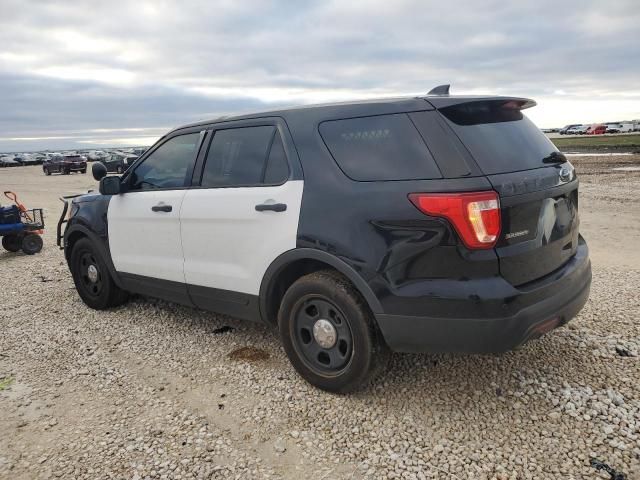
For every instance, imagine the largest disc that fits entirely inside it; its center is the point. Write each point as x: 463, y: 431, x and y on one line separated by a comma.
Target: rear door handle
x: 274, y: 207
x: 161, y: 208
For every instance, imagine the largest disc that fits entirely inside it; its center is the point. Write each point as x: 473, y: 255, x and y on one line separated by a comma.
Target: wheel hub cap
x: 324, y: 333
x: 92, y: 273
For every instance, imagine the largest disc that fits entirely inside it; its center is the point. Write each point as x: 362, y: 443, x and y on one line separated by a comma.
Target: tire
x: 31, y: 243
x: 353, y: 356
x: 95, y: 287
x: 83, y: 171
x: 47, y: 171
x: 66, y: 172
x: 12, y: 243
x: 119, y: 169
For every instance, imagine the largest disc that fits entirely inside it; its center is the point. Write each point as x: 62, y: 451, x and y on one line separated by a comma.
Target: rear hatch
x: 537, y: 186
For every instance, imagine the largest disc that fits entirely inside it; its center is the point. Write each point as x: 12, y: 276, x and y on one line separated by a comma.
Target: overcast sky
x: 75, y: 74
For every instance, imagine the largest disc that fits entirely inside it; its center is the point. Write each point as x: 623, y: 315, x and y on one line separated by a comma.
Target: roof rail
x: 440, y: 90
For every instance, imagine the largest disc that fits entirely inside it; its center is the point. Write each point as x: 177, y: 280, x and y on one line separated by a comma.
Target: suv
x: 565, y: 130
x: 119, y: 162
x: 596, y: 130
x: 577, y: 130
x: 65, y: 164
x: 429, y: 224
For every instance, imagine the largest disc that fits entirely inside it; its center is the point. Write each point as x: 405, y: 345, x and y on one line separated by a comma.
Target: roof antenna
x: 439, y: 90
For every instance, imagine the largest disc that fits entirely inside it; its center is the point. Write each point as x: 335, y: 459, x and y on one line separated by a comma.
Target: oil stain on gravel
x: 249, y: 354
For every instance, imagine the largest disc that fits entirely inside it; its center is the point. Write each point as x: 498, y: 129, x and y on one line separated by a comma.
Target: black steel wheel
x: 329, y: 333
x: 31, y: 243
x: 90, y: 274
x: 12, y: 243
x: 323, y: 336
x: 92, y: 278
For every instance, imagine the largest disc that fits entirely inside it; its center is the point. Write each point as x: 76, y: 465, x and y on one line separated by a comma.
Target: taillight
x: 474, y: 215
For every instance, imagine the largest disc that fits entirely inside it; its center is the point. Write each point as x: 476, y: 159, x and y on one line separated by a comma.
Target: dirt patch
x: 249, y: 354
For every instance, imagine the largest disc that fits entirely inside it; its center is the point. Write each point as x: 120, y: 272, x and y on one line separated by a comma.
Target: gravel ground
x: 155, y: 390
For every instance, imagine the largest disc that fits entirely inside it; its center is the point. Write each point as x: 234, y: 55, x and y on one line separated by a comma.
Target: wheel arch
x: 77, y: 232
x: 291, y: 265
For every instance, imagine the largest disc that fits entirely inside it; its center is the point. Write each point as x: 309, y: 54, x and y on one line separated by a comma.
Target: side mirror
x: 98, y: 170
x: 110, y: 186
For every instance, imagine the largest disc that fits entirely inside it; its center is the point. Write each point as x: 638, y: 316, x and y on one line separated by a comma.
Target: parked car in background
x: 596, y: 129
x: 119, y: 162
x: 577, y: 130
x: 626, y: 127
x: 27, y: 160
x: 8, y: 162
x: 565, y: 130
x: 96, y: 155
x: 65, y: 164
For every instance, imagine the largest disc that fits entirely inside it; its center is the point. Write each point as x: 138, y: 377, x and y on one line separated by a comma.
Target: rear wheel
x: 66, y: 171
x: 92, y: 278
x: 32, y: 243
x: 329, y: 334
x: 12, y: 243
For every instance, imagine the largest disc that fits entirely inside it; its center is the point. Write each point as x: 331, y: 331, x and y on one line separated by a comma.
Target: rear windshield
x: 384, y: 147
x: 498, y: 135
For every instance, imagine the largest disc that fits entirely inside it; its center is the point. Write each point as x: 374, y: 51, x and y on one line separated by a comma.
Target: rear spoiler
x: 445, y: 101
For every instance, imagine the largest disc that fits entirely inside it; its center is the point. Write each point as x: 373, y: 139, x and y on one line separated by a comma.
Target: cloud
x: 149, y: 64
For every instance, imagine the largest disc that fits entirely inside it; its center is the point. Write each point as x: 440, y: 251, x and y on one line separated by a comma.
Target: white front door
x: 144, y: 222
x: 243, y: 215
x: 144, y: 234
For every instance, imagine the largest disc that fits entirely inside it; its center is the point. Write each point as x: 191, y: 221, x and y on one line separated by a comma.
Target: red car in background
x: 597, y: 129
x: 65, y: 164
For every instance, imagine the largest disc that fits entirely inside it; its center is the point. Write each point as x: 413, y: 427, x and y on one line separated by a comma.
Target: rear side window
x: 384, y: 147
x: 498, y: 136
x: 244, y: 157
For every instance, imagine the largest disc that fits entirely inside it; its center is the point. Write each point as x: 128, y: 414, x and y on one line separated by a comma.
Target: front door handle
x: 274, y: 207
x: 161, y: 208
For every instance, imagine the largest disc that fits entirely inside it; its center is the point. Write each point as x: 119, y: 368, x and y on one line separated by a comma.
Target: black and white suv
x: 438, y: 223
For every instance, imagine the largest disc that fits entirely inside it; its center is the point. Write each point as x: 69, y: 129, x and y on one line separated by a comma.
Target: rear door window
x: 247, y: 156
x: 499, y: 136
x: 384, y: 147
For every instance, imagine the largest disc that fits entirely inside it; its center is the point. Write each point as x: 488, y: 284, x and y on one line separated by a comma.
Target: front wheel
x: 92, y: 278
x: 83, y: 171
x: 119, y: 169
x: 47, y: 171
x: 12, y: 243
x: 329, y: 333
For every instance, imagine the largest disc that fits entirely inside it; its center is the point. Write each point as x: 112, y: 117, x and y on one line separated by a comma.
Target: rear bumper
x: 506, y: 320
